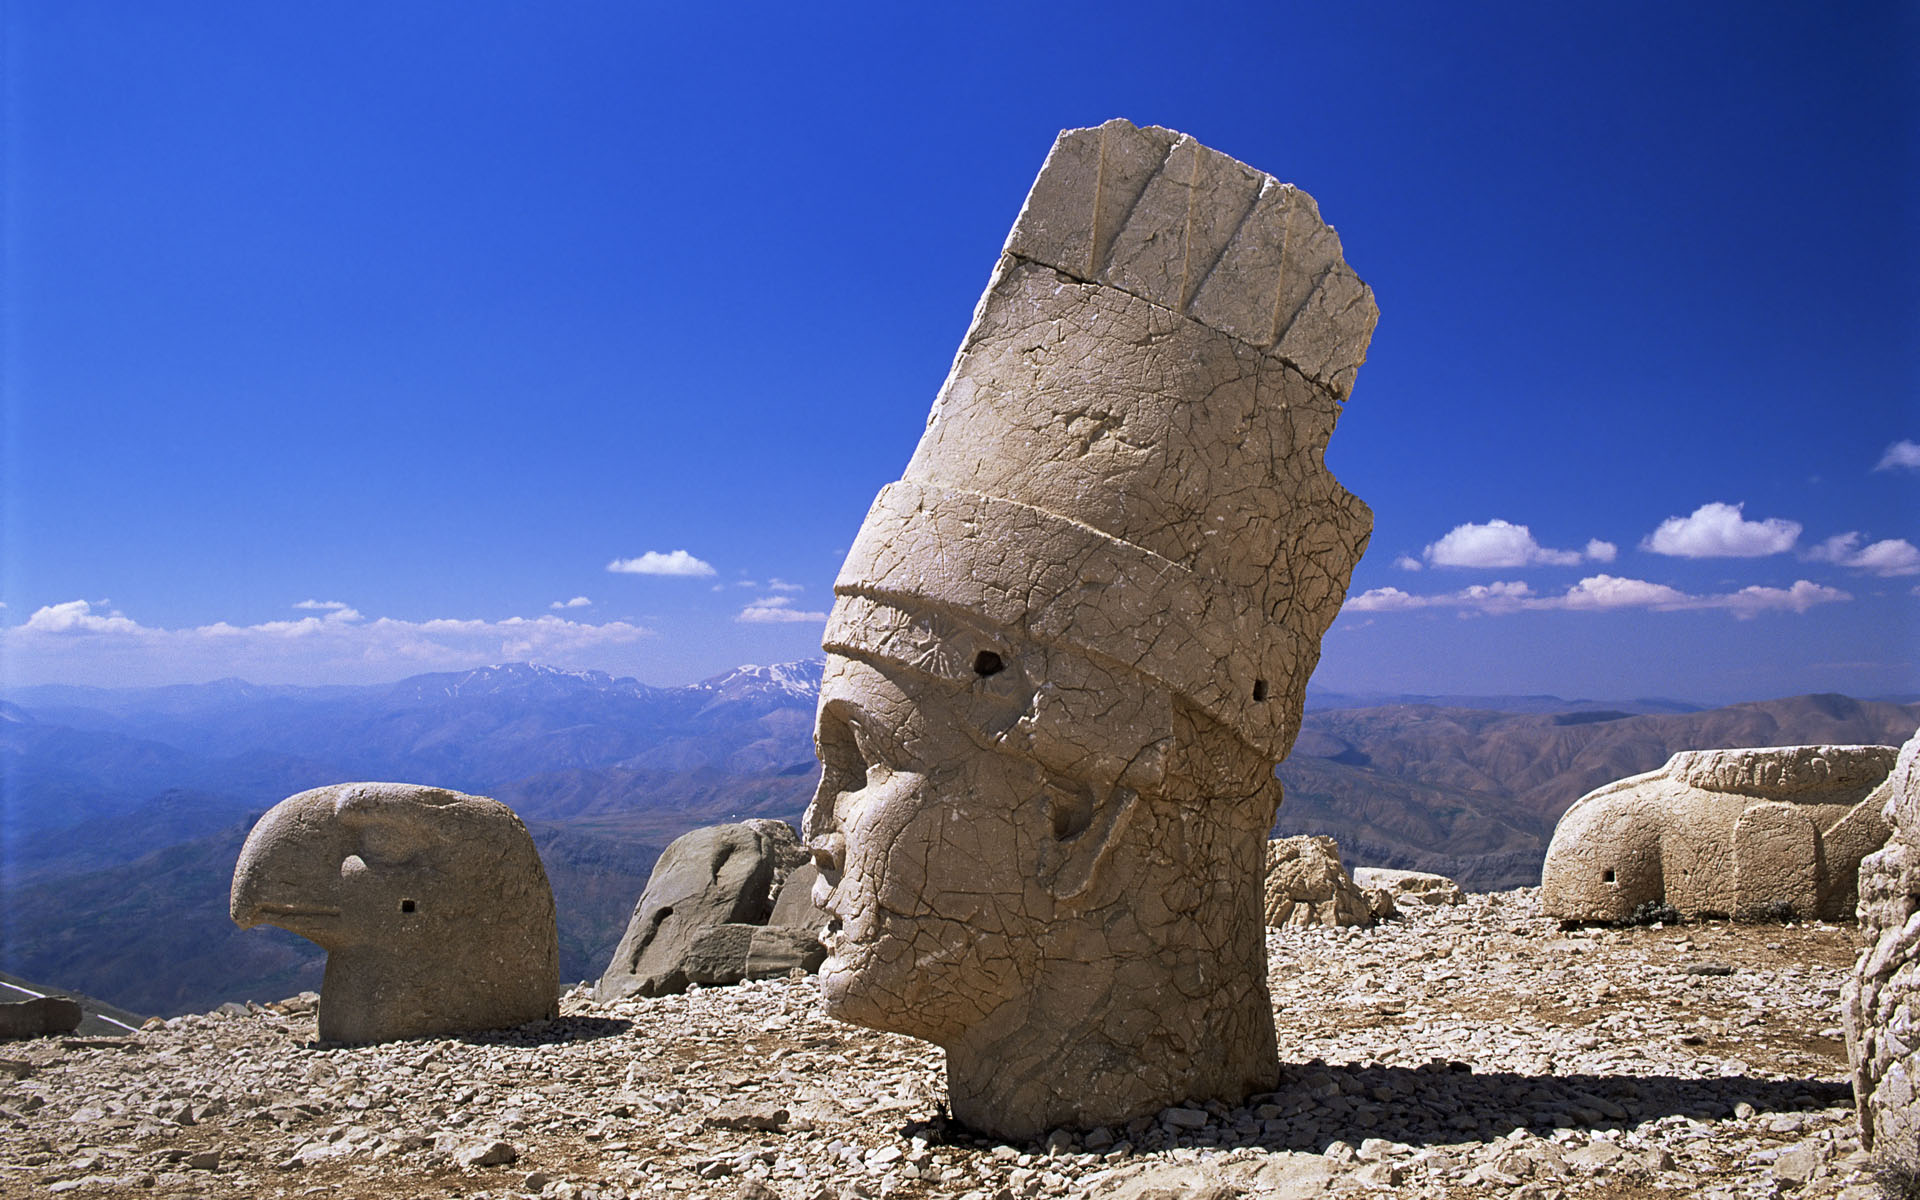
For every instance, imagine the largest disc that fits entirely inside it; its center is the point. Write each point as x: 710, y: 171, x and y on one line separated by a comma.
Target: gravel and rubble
x: 1469, y: 1050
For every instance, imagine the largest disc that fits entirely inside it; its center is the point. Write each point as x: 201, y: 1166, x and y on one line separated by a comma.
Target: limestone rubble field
x: 1477, y: 1050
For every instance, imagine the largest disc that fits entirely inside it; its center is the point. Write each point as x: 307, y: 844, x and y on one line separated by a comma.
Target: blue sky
x: 345, y: 342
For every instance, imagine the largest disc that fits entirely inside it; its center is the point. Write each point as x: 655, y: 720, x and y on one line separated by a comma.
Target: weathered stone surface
x: 718, y: 875
x: 1410, y: 887
x: 1880, y: 1002
x: 1069, y: 644
x: 39, y: 1017
x: 729, y: 953
x: 1306, y: 885
x: 793, y: 906
x: 432, y: 905
x: 1750, y: 833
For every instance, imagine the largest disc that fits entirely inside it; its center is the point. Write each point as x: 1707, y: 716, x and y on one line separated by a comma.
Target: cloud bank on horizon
x: 82, y: 641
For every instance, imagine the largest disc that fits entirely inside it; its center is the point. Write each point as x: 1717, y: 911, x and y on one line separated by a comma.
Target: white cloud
x: 1407, y: 562
x: 1385, y: 599
x: 1501, y: 543
x: 1887, y: 558
x: 1799, y: 598
x: 1601, y: 593
x: 679, y: 562
x: 78, y: 617
x: 1718, y: 530
x: 576, y: 602
x: 323, y: 605
x: 80, y: 642
x: 1598, y: 592
x: 780, y: 585
x: 771, y: 609
x: 1490, y: 597
x: 1901, y: 454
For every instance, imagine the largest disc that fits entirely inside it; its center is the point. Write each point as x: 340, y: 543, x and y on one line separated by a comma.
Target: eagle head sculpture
x: 432, y: 905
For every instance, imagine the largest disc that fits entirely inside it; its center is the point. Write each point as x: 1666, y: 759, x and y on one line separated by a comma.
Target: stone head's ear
x: 1086, y: 823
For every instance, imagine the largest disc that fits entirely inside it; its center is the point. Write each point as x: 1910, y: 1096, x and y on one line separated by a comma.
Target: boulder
x: 1776, y: 832
x: 715, y: 876
x: 1880, y: 1002
x: 39, y: 1017
x: 730, y: 953
x: 793, y: 907
x: 432, y: 905
x: 1306, y: 885
x: 1410, y: 887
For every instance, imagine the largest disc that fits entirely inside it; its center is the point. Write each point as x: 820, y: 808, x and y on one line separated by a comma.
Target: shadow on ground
x: 552, y: 1033
x: 1448, y: 1103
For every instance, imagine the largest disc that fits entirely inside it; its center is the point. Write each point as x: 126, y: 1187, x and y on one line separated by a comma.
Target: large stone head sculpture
x: 433, y: 908
x: 1068, y: 646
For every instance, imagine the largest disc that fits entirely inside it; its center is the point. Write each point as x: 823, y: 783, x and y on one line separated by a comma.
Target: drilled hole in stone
x: 407, y: 906
x: 1259, y: 691
x: 1607, y: 878
x: 987, y: 663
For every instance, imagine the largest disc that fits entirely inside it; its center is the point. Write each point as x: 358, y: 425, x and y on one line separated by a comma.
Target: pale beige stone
x: 432, y: 905
x: 1410, y: 887
x: 1880, y: 1004
x: 1307, y: 886
x: 1749, y: 833
x: 1068, y: 646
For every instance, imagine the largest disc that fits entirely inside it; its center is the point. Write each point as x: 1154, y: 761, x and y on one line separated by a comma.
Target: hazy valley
x: 124, y: 810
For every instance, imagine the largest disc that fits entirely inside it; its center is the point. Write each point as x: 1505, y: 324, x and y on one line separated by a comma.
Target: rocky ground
x: 1475, y: 1050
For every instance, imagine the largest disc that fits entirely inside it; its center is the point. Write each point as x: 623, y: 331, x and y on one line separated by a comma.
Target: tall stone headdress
x: 1126, y: 456
x: 1068, y: 646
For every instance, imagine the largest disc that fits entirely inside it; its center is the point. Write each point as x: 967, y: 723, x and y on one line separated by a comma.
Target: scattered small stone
x: 1636, y: 1113
x: 495, y: 1153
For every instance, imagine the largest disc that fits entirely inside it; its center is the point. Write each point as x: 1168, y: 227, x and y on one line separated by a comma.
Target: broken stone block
x: 1776, y: 833
x: 714, y: 876
x: 39, y: 1017
x: 432, y: 905
x: 793, y: 907
x: 1307, y: 886
x: 1879, y: 1003
x: 730, y: 953
x: 1069, y: 644
x: 1410, y: 887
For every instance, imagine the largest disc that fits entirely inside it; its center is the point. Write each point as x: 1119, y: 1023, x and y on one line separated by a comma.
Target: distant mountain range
x: 122, y: 811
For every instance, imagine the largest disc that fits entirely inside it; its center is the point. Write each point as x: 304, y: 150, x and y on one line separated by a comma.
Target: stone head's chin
x: 852, y: 990
x: 843, y: 976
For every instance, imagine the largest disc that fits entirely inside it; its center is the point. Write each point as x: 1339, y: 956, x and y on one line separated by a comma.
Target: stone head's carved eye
x: 1259, y: 691
x: 1607, y: 877
x: 988, y: 663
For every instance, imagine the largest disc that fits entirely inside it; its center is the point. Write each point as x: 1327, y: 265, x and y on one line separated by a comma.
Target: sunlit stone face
x: 934, y: 843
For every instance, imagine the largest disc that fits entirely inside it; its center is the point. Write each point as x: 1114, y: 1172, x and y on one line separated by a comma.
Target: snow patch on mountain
x: 798, y: 680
